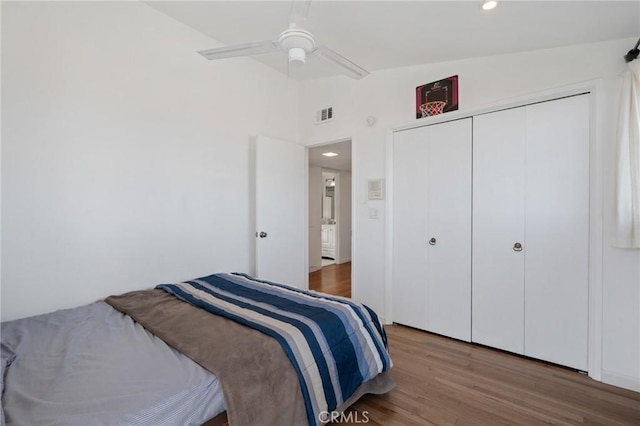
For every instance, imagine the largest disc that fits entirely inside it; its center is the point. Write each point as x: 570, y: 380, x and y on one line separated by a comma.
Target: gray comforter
x: 92, y: 365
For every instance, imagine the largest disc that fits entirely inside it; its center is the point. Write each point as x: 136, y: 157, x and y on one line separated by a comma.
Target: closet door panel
x: 557, y: 231
x: 449, y: 224
x: 409, y: 228
x: 498, y: 219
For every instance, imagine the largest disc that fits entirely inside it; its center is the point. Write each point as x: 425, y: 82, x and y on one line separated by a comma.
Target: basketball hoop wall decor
x: 437, y: 97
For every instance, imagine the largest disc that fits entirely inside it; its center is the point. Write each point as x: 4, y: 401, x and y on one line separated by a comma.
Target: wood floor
x: 441, y: 381
x: 333, y: 279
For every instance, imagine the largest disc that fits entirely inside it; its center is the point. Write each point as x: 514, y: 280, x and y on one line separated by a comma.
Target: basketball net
x: 432, y: 108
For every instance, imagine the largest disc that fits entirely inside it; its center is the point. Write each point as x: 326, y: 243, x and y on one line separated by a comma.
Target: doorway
x: 330, y: 218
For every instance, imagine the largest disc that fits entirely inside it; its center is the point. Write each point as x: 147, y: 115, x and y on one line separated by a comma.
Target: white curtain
x: 627, y: 212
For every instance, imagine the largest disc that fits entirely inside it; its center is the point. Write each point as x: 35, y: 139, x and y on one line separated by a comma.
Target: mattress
x: 93, y: 365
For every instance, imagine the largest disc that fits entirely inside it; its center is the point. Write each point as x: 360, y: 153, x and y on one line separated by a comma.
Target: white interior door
x: 498, y: 224
x: 280, y: 212
x: 557, y: 231
x: 409, y: 227
x: 449, y: 224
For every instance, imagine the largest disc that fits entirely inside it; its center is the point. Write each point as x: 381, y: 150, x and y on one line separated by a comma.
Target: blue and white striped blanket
x: 334, y: 344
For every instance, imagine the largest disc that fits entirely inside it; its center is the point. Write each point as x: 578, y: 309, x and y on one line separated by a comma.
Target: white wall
x: 125, y: 155
x: 390, y: 96
x: 0, y: 165
x: 316, y: 187
x: 344, y: 216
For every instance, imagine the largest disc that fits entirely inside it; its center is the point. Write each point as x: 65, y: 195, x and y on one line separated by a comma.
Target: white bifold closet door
x: 498, y: 224
x: 557, y: 232
x: 531, y: 230
x: 432, y: 228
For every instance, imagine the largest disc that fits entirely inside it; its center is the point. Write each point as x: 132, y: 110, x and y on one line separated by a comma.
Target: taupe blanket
x: 260, y: 385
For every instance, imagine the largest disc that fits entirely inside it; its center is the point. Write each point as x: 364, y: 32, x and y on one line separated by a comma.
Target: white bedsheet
x: 93, y: 365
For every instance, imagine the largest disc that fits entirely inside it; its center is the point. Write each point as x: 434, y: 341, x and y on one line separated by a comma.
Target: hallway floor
x: 333, y: 279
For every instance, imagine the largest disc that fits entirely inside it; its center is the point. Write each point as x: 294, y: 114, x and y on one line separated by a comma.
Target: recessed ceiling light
x: 489, y: 4
x: 329, y: 154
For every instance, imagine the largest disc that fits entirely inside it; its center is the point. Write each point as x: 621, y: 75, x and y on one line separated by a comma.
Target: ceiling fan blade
x: 345, y: 65
x: 299, y: 13
x: 245, y: 49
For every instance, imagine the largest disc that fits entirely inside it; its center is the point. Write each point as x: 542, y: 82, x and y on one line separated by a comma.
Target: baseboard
x: 621, y: 380
x: 345, y: 260
x: 314, y: 268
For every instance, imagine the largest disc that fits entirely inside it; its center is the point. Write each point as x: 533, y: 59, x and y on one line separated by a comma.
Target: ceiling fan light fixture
x: 297, y: 56
x: 297, y: 44
x: 296, y: 38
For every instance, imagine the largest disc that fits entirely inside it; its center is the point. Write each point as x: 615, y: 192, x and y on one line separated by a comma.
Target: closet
x: 432, y: 228
x: 491, y: 229
x: 531, y: 230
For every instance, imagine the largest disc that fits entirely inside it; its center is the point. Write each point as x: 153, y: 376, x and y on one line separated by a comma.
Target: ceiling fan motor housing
x: 298, y: 43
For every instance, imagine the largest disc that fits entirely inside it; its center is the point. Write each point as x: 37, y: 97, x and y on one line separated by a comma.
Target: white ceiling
x: 387, y: 34
x: 341, y: 162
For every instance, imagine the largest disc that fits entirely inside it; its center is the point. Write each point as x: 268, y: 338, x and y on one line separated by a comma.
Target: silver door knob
x: 262, y: 234
x: 517, y: 247
x: 432, y: 241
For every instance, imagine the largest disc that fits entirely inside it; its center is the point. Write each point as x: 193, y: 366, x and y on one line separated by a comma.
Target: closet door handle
x: 517, y: 247
x: 432, y: 241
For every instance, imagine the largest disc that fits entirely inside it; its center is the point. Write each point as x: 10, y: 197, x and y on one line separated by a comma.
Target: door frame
x: 596, y: 196
x: 336, y: 200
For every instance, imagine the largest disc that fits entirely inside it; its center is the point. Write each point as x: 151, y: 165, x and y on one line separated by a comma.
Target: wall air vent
x: 323, y: 115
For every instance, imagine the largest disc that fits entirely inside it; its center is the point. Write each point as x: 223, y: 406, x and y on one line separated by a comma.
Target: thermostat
x: 376, y: 189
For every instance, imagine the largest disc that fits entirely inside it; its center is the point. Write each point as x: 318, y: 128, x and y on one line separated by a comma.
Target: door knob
x: 432, y: 241
x: 261, y: 234
x: 517, y: 247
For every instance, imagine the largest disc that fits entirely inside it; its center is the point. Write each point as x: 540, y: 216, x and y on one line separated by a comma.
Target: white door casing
x: 280, y: 171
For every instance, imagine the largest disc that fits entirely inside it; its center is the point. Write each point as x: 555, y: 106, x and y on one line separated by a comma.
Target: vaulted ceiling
x: 386, y: 34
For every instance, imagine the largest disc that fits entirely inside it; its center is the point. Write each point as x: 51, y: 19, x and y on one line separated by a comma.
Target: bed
x: 222, y: 346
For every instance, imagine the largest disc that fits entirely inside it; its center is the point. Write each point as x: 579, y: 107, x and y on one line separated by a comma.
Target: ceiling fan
x: 296, y: 42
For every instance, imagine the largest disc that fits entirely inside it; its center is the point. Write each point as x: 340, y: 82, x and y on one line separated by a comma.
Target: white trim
x: 621, y: 380
x: 355, y: 208
x: 596, y: 196
x: 336, y: 213
x: 596, y: 234
x: 305, y: 283
x: 345, y: 260
x: 387, y: 315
